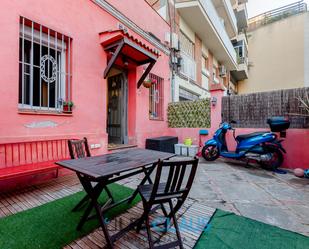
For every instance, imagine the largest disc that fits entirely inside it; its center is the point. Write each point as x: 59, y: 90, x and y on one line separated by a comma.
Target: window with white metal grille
x: 156, y: 97
x: 186, y: 45
x: 44, y: 67
x: 188, y: 64
x: 185, y: 95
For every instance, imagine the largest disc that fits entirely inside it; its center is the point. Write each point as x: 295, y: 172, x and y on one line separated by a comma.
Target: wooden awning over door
x: 124, y: 49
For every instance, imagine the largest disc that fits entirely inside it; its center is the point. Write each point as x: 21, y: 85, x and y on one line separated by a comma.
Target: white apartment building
x: 212, y: 45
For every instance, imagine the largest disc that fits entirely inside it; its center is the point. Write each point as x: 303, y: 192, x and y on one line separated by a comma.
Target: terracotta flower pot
x: 147, y: 84
x: 67, y: 109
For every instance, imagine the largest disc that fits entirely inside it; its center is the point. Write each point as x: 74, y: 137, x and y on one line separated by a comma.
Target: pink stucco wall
x: 296, y: 142
x: 82, y: 21
x: 296, y: 145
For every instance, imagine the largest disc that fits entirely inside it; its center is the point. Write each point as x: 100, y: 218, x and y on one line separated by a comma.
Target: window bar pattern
x: 156, y: 97
x: 31, y: 67
x: 40, y: 94
x: 23, y: 61
x: 45, y: 67
x: 56, y: 85
x: 48, y: 72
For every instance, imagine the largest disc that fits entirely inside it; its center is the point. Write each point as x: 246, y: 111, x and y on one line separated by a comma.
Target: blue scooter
x: 262, y: 147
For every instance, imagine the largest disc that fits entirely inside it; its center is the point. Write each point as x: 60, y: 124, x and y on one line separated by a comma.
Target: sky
x: 256, y: 7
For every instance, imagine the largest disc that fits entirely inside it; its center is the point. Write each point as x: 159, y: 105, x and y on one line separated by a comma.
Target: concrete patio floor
x: 276, y: 199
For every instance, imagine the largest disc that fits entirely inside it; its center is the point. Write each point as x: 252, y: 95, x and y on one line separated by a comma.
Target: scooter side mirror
x: 233, y: 122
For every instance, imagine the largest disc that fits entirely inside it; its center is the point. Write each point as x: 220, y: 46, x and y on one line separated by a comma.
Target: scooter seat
x: 250, y: 135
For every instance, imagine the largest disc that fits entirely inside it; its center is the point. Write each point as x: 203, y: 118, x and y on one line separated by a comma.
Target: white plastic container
x: 184, y: 150
x: 178, y: 149
x: 193, y: 150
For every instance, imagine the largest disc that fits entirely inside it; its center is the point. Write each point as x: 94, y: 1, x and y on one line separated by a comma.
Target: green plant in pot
x: 304, y: 102
x: 148, y: 82
x: 68, y: 106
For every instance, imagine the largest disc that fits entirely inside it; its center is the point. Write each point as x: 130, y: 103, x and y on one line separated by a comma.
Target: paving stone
x: 276, y: 199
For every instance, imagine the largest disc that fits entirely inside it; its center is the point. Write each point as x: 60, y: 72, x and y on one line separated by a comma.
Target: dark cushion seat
x: 250, y: 135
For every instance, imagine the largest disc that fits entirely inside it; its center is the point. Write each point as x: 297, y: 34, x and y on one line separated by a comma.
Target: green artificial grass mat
x: 229, y: 231
x: 53, y: 225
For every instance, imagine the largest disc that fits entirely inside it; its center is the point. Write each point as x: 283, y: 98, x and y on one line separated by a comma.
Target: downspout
x: 229, y: 101
x: 172, y: 52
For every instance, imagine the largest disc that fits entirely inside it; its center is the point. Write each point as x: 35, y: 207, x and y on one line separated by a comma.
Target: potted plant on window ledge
x: 68, y: 106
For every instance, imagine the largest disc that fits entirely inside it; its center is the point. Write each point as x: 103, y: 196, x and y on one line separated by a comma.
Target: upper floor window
x: 215, y: 73
x: 185, y: 95
x: 241, y: 51
x: 188, y: 64
x: 156, y: 97
x: 186, y: 45
x: 44, y: 67
x: 205, y: 62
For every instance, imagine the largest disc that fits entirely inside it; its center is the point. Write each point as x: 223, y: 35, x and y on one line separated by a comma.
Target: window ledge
x: 216, y: 80
x: 156, y: 119
x: 41, y: 112
x: 206, y: 72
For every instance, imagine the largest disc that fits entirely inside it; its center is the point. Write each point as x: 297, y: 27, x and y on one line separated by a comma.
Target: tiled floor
x: 276, y: 199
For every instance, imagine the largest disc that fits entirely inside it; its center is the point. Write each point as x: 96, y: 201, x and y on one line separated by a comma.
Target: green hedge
x: 189, y: 114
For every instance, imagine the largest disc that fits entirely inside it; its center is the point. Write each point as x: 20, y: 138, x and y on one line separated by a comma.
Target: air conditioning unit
x: 175, y: 40
x: 222, y: 71
x: 174, y: 59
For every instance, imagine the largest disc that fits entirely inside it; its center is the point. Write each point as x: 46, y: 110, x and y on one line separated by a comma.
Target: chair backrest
x: 79, y: 148
x: 180, y: 177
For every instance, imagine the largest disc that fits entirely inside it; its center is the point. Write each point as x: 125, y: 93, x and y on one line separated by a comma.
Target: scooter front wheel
x: 210, y: 152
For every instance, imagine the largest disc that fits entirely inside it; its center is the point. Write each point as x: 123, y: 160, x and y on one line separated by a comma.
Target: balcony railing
x: 277, y: 14
x: 241, y: 52
x: 242, y: 60
x: 231, y: 13
x: 188, y: 67
x: 210, y: 9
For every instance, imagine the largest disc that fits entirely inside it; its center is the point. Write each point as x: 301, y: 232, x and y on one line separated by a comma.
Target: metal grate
x: 156, y: 97
x: 44, y: 67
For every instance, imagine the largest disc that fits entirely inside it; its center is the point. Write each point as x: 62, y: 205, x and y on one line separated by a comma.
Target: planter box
x: 184, y: 150
x: 165, y: 144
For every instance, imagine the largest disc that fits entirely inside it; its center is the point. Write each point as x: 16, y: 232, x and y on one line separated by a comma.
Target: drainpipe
x: 172, y: 52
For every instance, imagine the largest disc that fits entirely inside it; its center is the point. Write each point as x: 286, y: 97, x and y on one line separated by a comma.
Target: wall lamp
x: 213, y: 101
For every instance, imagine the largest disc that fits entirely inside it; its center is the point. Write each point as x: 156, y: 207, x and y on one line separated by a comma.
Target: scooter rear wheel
x: 210, y: 152
x: 275, y: 161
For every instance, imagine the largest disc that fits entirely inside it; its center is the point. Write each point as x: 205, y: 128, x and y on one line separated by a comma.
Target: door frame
x: 124, y: 117
x: 124, y: 105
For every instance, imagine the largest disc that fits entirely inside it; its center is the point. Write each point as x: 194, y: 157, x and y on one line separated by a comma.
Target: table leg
x: 83, y: 201
x: 94, y: 193
x: 146, y: 178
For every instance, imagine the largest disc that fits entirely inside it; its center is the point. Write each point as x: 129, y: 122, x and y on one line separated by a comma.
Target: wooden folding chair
x: 177, y: 186
x: 80, y: 149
